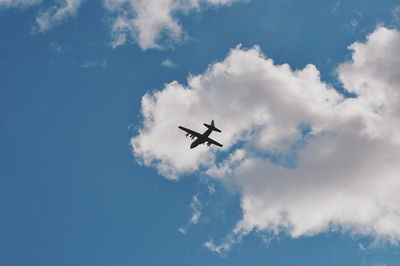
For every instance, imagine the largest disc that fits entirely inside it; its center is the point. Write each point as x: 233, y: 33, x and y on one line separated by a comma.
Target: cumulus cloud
x: 18, y: 3
x: 248, y: 96
x: 56, y: 14
x: 304, y: 158
x: 152, y: 23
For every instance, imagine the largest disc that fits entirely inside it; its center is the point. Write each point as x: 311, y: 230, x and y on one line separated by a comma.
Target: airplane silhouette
x: 202, y: 138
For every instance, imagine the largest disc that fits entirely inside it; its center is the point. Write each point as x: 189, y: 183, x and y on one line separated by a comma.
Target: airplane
x: 202, y: 138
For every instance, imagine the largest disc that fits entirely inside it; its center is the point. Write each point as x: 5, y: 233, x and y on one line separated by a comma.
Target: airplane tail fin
x: 212, y: 126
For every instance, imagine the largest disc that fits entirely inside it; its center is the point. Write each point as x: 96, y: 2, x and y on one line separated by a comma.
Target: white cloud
x: 196, y: 207
x: 222, y: 248
x: 56, y: 14
x: 182, y: 230
x: 211, y: 188
x: 18, y: 3
x: 168, y: 63
x: 345, y: 175
x: 249, y: 97
x: 152, y: 24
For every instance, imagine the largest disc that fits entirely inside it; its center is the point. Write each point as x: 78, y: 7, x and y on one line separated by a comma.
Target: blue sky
x: 74, y: 188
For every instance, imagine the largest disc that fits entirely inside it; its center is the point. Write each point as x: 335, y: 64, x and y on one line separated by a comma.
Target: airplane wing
x: 211, y: 141
x: 190, y: 132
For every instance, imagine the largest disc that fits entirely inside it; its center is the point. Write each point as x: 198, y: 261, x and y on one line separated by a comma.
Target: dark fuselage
x: 201, y: 139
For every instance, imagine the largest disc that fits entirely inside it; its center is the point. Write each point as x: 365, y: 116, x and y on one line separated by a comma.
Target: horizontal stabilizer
x: 212, y: 126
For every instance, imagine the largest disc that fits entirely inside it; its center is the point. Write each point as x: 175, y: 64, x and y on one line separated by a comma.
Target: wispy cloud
x: 57, y: 48
x: 353, y: 25
x: 56, y: 14
x: 335, y: 8
x: 168, y: 64
x: 152, y: 24
x: 94, y: 64
x: 227, y: 243
x: 196, y: 207
x: 396, y: 13
x: 18, y: 3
